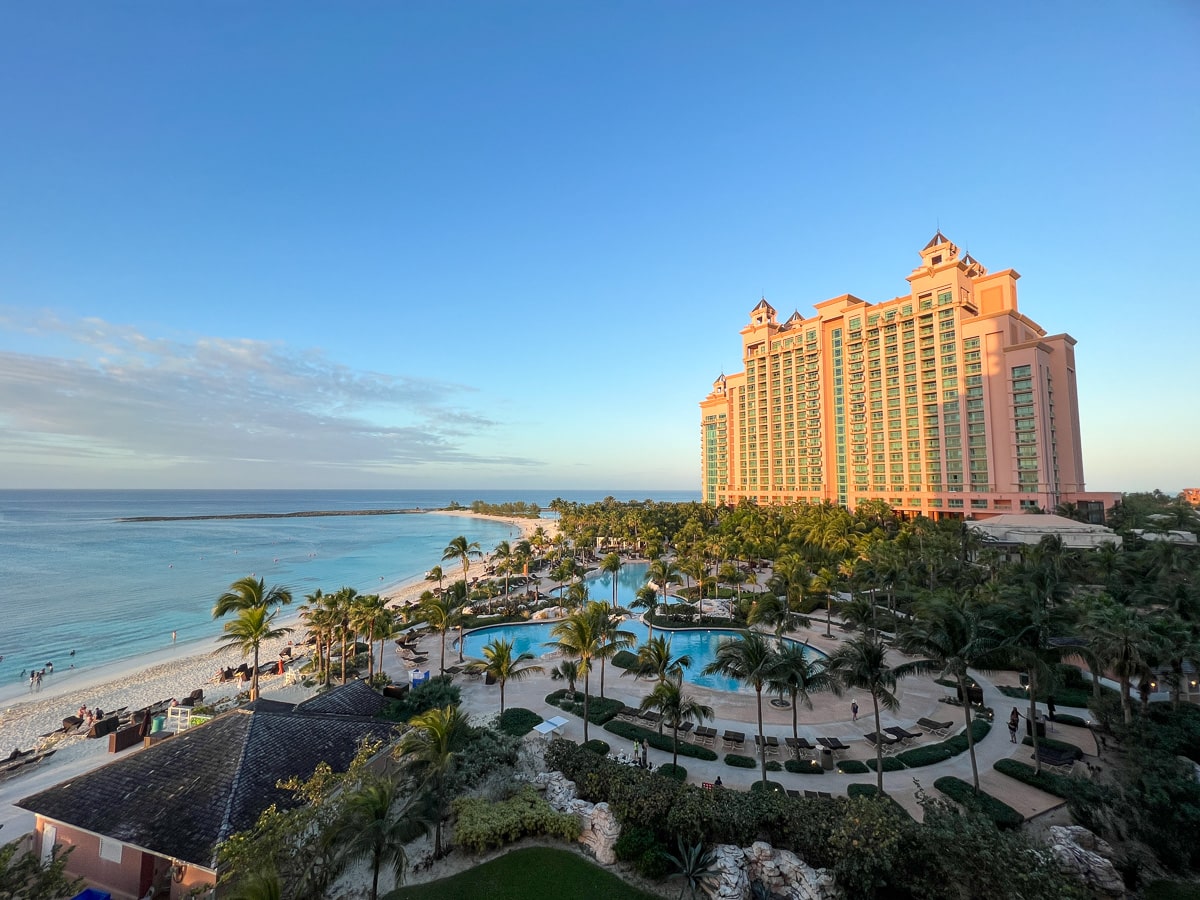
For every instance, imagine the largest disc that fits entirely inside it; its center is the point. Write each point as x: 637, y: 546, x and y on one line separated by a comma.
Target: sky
x: 511, y: 244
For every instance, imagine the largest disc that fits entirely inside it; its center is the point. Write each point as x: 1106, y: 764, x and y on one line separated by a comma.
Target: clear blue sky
x: 511, y: 244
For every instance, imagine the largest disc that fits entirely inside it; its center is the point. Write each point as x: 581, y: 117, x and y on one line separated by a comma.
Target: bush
x: 769, y: 786
x: 658, y: 741
x: 436, y: 693
x: 1052, y: 744
x: 890, y: 764
x: 633, y: 842
x: 625, y: 660
x: 740, y: 762
x: 962, y: 792
x: 804, y: 767
x: 859, y: 791
x: 518, y: 721
x: 851, y: 767
x: 599, y: 710
x: 678, y: 773
x: 597, y: 746
x: 1050, y: 782
x: 483, y: 825
x: 1068, y: 719
x: 943, y: 750
x: 773, y: 766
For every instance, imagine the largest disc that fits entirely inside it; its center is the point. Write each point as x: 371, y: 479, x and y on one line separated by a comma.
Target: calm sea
x: 74, y: 577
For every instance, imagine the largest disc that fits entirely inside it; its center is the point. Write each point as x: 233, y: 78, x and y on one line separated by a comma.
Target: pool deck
x: 830, y: 717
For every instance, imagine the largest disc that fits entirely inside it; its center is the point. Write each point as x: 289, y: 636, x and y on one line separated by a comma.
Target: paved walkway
x: 829, y: 717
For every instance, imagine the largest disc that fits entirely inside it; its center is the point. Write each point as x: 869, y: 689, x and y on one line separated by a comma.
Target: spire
x: 938, y: 238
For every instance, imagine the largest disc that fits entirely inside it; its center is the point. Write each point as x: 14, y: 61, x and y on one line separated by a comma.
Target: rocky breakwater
x: 782, y: 875
x: 599, y: 828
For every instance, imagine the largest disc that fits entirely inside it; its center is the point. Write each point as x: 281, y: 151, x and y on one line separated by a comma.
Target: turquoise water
x: 76, y: 578
x: 700, y: 644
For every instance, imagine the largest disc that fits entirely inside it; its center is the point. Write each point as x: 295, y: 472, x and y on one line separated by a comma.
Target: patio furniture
x: 706, y: 735
x: 794, y: 794
x: 799, y: 746
x: 650, y: 716
x: 833, y: 744
x: 685, y: 728
x: 886, y: 741
x: 903, y: 735
x: 825, y: 795
x: 811, y: 795
x: 767, y: 743
x: 1061, y: 760
x: 932, y: 725
x: 629, y: 713
x: 734, y: 739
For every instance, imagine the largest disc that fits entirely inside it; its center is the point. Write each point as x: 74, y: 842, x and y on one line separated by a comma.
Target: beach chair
x: 935, y: 727
x: 833, y: 744
x: 824, y: 795
x: 685, y: 729
x: 794, y: 794
x: 800, y: 747
x: 810, y: 795
x: 886, y: 742
x: 903, y: 735
x: 734, y: 739
x: 1062, y: 761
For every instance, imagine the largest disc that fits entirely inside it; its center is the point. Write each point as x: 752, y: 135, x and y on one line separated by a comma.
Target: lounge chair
x: 734, y: 739
x: 887, y: 741
x: 794, y: 794
x: 685, y: 728
x: 932, y: 725
x: 811, y: 795
x: 650, y: 716
x: 825, y: 795
x: 832, y: 743
x: 799, y: 746
x: 903, y: 735
x: 1062, y: 760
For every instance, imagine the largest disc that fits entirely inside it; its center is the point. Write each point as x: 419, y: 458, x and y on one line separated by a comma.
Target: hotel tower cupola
x: 763, y: 314
x: 939, y: 251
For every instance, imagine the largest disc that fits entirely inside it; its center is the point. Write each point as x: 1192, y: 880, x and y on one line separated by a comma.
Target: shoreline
x: 155, y: 675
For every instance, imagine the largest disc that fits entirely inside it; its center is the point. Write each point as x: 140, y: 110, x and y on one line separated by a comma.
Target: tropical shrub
x: 667, y: 770
x: 623, y: 659
x: 1052, y: 744
x: 483, y: 824
x: 768, y: 787
x: 867, y: 842
x: 597, y: 746
x: 1068, y: 719
x: 774, y: 766
x: 658, y: 741
x: 960, y: 791
x: 1050, y: 782
x: 804, y: 767
x: 518, y: 721
x: 437, y: 693
x: 890, y: 764
x: 851, y: 767
x: 740, y: 762
x: 943, y: 750
x: 599, y: 710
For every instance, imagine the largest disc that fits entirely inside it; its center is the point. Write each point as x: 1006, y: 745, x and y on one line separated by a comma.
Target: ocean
x: 76, y: 578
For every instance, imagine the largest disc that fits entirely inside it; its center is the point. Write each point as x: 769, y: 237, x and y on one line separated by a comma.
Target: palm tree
x: 795, y: 675
x: 861, y: 664
x: 612, y: 638
x: 248, y: 592
x: 500, y: 663
x: 579, y: 638
x: 459, y: 549
x: 696, y: 568
x: 440, y: 613
x: 504, y: 556
x: 431, y: 748
x: 377, y: 820
x: 663, y: 572
x: 436, y: 574
x: 562, y: 573
x: 568, y: 671
x: 646, y: 599
x: 676, y: 708
x: 252, y: 626
x: 950, y: 637
x: 612, y: 564
x: 749, y: 659
x: 367, y: 614
x: 655, y: 660
x: 1122, y: 641
x: 261, y: 885
x: 345, y: 600
x: 457, y: 598
x: 314, y: 613
x: 386, y: 628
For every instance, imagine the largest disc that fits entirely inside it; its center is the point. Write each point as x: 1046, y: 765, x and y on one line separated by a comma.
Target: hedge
x: 804, y: 767
x: 632, y: 732
x: 740, y: 762
x: 1050, y: 782
x: 597, y: 746
x: 625, y: 660
x: 851, y: 767
x: 775, y: 786
x: 943, y: 750
x: 518, y: 721
x: 1068, y: 719
x: 890, y: 764
x: 599, y: 710
x: 1052, y: 744
x: 774, y: 766
x: 679, y: 773
x: 1003, y: 815
x: 485, y: 824
x: 869, y: 790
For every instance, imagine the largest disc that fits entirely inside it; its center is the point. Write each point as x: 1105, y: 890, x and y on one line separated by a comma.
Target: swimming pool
x: 700, y: 644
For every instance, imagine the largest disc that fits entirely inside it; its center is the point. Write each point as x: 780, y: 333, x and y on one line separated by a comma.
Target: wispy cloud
x: 208, y: 401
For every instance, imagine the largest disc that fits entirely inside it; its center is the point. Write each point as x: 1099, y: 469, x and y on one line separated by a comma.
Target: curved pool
x: 700, y: 644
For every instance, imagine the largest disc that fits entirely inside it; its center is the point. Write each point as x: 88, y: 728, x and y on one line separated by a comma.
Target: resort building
x: 947, y: 401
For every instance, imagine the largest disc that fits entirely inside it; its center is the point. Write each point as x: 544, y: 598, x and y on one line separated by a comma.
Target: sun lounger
x: 939, y: 728
x: 903, y: 734
x: 705, y: 735
x: 832, y: 743
x: 811, y: 795
x: 825, y: 795
x: 794, y: 794
x: 1063, y: 760
x: 628, y: 712
x: 799, y: 746
x: 685, y: 729
x: 886, y: 741
x: 650, y: 716
x: 734, y: 739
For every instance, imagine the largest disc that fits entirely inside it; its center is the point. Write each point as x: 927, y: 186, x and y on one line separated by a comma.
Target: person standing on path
x: 1013, y: 721
x: 854, y: 710
x: 1050, y: 710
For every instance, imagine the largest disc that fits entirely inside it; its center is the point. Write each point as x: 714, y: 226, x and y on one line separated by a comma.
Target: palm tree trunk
x: 371, y: 654
x: 343, y: 655
x: 1032, y: 719
x: 460, y: 642
x: 878, y: 744
x: 443, y: 672
x: 962, y: 686
x: 795, y: 716
x: 828, y: 613
x: 254, y: 677
x: 586, y: 676
x: 675, y: 745
x: 1126, y: 701
x: 761, y: 748
x: 501, y: 696
x: 382, y: 644
x: 602, y: 679
x: 375, y: 866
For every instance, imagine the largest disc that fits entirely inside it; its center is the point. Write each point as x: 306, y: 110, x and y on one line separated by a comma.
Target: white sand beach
x: 135, y: 684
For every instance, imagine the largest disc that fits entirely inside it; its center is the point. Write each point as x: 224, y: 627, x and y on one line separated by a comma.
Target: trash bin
x: 157, y: 723
x: 1041, y: 727
x: 826, y: 759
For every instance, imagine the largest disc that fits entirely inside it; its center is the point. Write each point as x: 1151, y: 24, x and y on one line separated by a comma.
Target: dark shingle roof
x: 183, y: 796
x: 355, y: 698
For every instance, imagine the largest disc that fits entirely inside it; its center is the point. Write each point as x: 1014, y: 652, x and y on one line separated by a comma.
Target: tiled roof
x: 938, y: 238
x: 355, y: 698
x: 181, y: 797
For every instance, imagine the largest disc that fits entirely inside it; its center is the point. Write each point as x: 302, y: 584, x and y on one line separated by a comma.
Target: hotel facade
x: 945, y: 402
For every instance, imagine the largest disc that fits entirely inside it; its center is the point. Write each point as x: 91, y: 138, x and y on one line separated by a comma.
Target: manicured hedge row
x: 803, y: 767
x: 518, y: 721
x: 870, y: 790
x: 658, y: 741
x: 960, y: 791
x: 940, y: 752
x: 890, y: 764
x: 597, y: 746
x: 1068, y: 719
x: 624, y: 659
x: 1050, y: 782
x: 740, y: 762
x: 851, y: 767
x: 1052, y: 744
x: 599, y: 710
x: 771, y: 786
x: 679, y: 773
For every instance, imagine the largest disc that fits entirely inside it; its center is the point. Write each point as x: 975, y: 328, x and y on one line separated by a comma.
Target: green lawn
x: 528, y: 874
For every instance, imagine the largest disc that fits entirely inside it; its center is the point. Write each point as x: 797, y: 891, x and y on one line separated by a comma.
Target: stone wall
x: 1079, y: 852
x: 599, y: 828
x: 783, y: 874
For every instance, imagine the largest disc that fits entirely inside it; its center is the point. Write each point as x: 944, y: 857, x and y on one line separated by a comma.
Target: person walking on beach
x: 172, y: 637
x: 32, y: 679
x: 1013, y: 721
